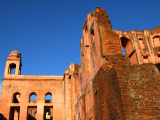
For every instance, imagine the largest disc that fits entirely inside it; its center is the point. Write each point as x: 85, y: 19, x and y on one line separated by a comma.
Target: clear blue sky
x: 48, y: 32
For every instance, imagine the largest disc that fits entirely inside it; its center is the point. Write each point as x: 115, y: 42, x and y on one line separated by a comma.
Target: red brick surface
x: 126, y: 91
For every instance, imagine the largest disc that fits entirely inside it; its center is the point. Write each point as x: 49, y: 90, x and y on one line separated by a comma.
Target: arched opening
x: 48, y: 97
x: 126, y: 44
x: 141, y: 43
x: 16, y: 97
x: 12, y: 68
x: 33, y: 98
x: 156, y: 40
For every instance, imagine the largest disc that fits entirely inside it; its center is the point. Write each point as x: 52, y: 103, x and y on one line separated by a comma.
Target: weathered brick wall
x: 124, y: 91
x: 116, y: 81
x: 25, y: 87
x: 143, y: 43
x: 109, y: 40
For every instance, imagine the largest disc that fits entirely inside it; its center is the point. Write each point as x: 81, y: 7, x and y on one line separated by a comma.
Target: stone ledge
x: 33, y: 77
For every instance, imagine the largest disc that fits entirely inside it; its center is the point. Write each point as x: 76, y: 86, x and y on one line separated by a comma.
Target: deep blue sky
x: 48, y: 32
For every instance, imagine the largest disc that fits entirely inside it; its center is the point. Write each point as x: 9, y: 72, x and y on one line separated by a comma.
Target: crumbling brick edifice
x: 107, y: 86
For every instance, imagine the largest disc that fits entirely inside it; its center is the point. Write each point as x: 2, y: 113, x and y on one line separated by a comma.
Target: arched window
x: 33, y: 98
x: 48, y: 97
x: 16, y: 97
x: 126, y: 44
x: 141, y: 43
x: 12, y: 68
x: 156, y: 40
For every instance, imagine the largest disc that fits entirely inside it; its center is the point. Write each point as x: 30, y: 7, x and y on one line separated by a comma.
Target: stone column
x: 40, y: 105
x: 67, y: 99
x: 23, y: 112
x: 23, y: 105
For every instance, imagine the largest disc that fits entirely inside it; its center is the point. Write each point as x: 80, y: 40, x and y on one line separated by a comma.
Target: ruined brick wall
x: 145, y: 45
x: 108, y: 85
x: 101, y: 41
x: 125, y: 91
x: 107, y: 88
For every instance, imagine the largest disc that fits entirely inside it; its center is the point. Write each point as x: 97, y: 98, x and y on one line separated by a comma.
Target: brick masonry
x: 107, y: 86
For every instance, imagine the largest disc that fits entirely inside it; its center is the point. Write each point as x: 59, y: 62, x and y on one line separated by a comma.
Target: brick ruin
x: 107, y: 86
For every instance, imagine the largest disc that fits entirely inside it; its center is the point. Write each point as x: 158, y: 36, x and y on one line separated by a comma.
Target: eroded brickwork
x: 117, y: 86
x: 107, y: 86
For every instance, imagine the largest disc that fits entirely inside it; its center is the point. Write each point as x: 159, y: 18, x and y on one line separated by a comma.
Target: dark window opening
x: 140, y: 39
x: 14, y: 113
x: 48, y: 113
x: 16, y: 97
x: 141, y: 43
x: 145, y: 57
x: 12, y: 68
x: 156, y: 36
x: 92, y: 32
x: 32, y: 113
x: 128, y: 50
